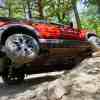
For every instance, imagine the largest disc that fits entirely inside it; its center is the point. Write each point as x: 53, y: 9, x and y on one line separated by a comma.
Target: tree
x: 93, y: 2
x: 28, y: 2
x: 76, y: 14
x: 9, y: 5
x: 57, y: 9
x: 40, y: 9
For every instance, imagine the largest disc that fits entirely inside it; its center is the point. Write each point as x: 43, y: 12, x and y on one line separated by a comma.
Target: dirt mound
x: 82, y: 83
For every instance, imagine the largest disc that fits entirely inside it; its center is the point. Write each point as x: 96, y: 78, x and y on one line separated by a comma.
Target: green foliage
x: 55, y: 19
x: 56, y: 10
x: 90, y: 20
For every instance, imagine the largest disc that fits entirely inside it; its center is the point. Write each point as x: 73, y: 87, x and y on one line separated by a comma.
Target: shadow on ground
x: 6, y: 90
x: 29, y: 83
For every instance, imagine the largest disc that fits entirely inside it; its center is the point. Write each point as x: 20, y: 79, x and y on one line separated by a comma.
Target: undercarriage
x: 13, y: 73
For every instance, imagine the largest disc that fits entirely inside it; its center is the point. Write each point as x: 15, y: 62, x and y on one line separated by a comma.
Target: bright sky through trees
x: 2, y: 3
x: 80, y: 6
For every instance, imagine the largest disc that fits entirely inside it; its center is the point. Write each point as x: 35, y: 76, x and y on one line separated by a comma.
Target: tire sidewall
x: 29, y: 34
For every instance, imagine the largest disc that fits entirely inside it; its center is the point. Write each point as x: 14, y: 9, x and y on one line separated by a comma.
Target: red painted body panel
x: 50, y: 31
x: 2, y: 23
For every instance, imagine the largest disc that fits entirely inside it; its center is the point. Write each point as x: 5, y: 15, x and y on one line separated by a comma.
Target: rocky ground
x: 80, y: 83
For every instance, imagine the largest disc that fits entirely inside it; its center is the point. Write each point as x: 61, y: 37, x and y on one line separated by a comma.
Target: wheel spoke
x: 22, y: 46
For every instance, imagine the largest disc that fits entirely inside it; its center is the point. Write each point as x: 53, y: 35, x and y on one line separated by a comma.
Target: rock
x: 84, y: 82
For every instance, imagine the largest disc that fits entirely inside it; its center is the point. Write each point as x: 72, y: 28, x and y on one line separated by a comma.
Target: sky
x: 2, y: 3
x: 80, y: 7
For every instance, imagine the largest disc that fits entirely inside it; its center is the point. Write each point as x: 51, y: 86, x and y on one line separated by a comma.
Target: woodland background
x: 59, y: 11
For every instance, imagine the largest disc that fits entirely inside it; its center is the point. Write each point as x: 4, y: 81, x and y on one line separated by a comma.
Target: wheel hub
x: 21, y: 48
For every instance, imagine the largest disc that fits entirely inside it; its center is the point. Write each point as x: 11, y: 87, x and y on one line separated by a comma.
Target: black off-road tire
x: 32, y: 51
x: 12, y: 78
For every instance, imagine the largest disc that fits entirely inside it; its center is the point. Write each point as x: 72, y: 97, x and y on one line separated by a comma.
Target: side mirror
x: 71, y: 24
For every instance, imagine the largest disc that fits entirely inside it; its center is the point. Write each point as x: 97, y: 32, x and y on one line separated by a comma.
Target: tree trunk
x: 24, y: 10
x: 29, y: 10
x: 9, y: 11
x: 40, y: 9
x: 76, y: 15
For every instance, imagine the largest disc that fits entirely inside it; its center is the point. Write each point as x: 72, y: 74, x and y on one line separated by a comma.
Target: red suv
x: 28, y: 47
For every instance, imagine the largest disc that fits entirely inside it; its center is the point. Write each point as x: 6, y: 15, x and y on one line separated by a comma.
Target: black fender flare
x: 11, y: 30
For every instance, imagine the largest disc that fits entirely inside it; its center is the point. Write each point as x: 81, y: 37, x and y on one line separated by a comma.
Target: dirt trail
x: 80, y: 83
